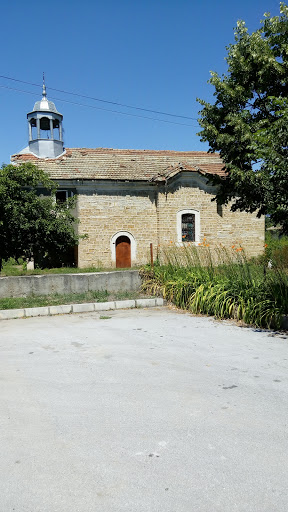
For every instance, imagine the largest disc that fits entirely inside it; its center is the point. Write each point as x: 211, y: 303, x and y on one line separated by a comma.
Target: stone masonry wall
x: 217, y: 226
x: 102, y: 214
x: 148, y: 213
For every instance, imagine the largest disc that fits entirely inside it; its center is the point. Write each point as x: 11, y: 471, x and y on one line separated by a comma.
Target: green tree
x: 33, y: 224
x: 248, y: 123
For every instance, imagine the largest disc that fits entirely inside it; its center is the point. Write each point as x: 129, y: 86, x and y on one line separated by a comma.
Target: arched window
x: 188, y: 226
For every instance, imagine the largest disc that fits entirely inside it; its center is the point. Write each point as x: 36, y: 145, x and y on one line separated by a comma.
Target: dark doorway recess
x: 123, y: 252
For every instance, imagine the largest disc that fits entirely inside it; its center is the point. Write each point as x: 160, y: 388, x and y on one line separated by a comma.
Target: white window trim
x: 179, y: 226
x: 113, y: 245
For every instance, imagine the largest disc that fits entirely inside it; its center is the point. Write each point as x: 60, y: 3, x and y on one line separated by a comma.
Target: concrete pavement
x: 143, y: 411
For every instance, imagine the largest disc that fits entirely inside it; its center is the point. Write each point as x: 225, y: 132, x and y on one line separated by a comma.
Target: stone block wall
x: 148, y: 213
x: 217, y: 225
x: 103, y: 213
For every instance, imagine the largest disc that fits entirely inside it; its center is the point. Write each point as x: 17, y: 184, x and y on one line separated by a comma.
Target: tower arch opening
x: 45, y: 132
x: 56, y: 129
x: 32, y: 129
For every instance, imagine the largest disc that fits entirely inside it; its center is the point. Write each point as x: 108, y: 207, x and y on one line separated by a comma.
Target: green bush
x: 225, y: 287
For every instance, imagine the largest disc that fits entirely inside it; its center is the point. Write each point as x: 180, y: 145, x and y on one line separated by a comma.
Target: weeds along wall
x: 149, y: 212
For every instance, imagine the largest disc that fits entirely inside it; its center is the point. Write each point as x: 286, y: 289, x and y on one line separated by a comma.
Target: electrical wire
x: 101, y: 100
x: 100, y: 108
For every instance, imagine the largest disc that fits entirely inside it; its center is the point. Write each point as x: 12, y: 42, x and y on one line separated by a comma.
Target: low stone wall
x: 126, y: 280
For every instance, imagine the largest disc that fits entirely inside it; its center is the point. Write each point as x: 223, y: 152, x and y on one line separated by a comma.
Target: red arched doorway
x: 123, y: 252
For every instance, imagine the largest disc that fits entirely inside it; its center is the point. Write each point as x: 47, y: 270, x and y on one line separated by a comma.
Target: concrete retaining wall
x: 127, y: 280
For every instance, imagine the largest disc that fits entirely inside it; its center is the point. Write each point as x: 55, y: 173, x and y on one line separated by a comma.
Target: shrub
x: 222, y: 283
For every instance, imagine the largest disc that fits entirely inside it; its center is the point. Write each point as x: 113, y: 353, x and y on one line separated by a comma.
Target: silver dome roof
x: 44, y: 104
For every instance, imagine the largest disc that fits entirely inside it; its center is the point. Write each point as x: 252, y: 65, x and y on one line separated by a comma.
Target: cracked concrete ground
x: 143, y: 411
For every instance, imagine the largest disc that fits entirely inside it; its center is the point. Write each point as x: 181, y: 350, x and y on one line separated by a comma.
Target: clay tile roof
x: 124, y: 164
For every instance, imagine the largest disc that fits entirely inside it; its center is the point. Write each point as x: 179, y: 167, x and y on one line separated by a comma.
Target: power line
x: 101, y: 100
x: 100, y: 108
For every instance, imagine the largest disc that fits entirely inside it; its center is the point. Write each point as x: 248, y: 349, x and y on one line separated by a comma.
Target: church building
x: 128, y: 198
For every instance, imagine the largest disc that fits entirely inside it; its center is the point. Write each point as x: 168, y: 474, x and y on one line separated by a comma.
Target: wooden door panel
x: 123, y: 252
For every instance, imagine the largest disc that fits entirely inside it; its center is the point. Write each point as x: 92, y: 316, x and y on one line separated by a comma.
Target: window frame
x: 180, y: 213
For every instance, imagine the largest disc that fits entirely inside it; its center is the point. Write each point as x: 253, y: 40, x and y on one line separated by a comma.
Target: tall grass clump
x: 220, y: 282
x: 276, y: 250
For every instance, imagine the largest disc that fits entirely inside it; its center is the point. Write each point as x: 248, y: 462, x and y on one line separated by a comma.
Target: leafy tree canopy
x: 248, y: 123
x: 33, y: 225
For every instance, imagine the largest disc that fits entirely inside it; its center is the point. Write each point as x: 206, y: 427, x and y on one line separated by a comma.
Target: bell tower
x: 45, y: 128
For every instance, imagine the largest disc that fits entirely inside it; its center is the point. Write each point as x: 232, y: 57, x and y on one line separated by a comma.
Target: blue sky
x: 151, y: 54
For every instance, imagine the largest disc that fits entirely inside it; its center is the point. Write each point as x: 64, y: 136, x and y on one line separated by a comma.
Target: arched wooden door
x: 123, y: 252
